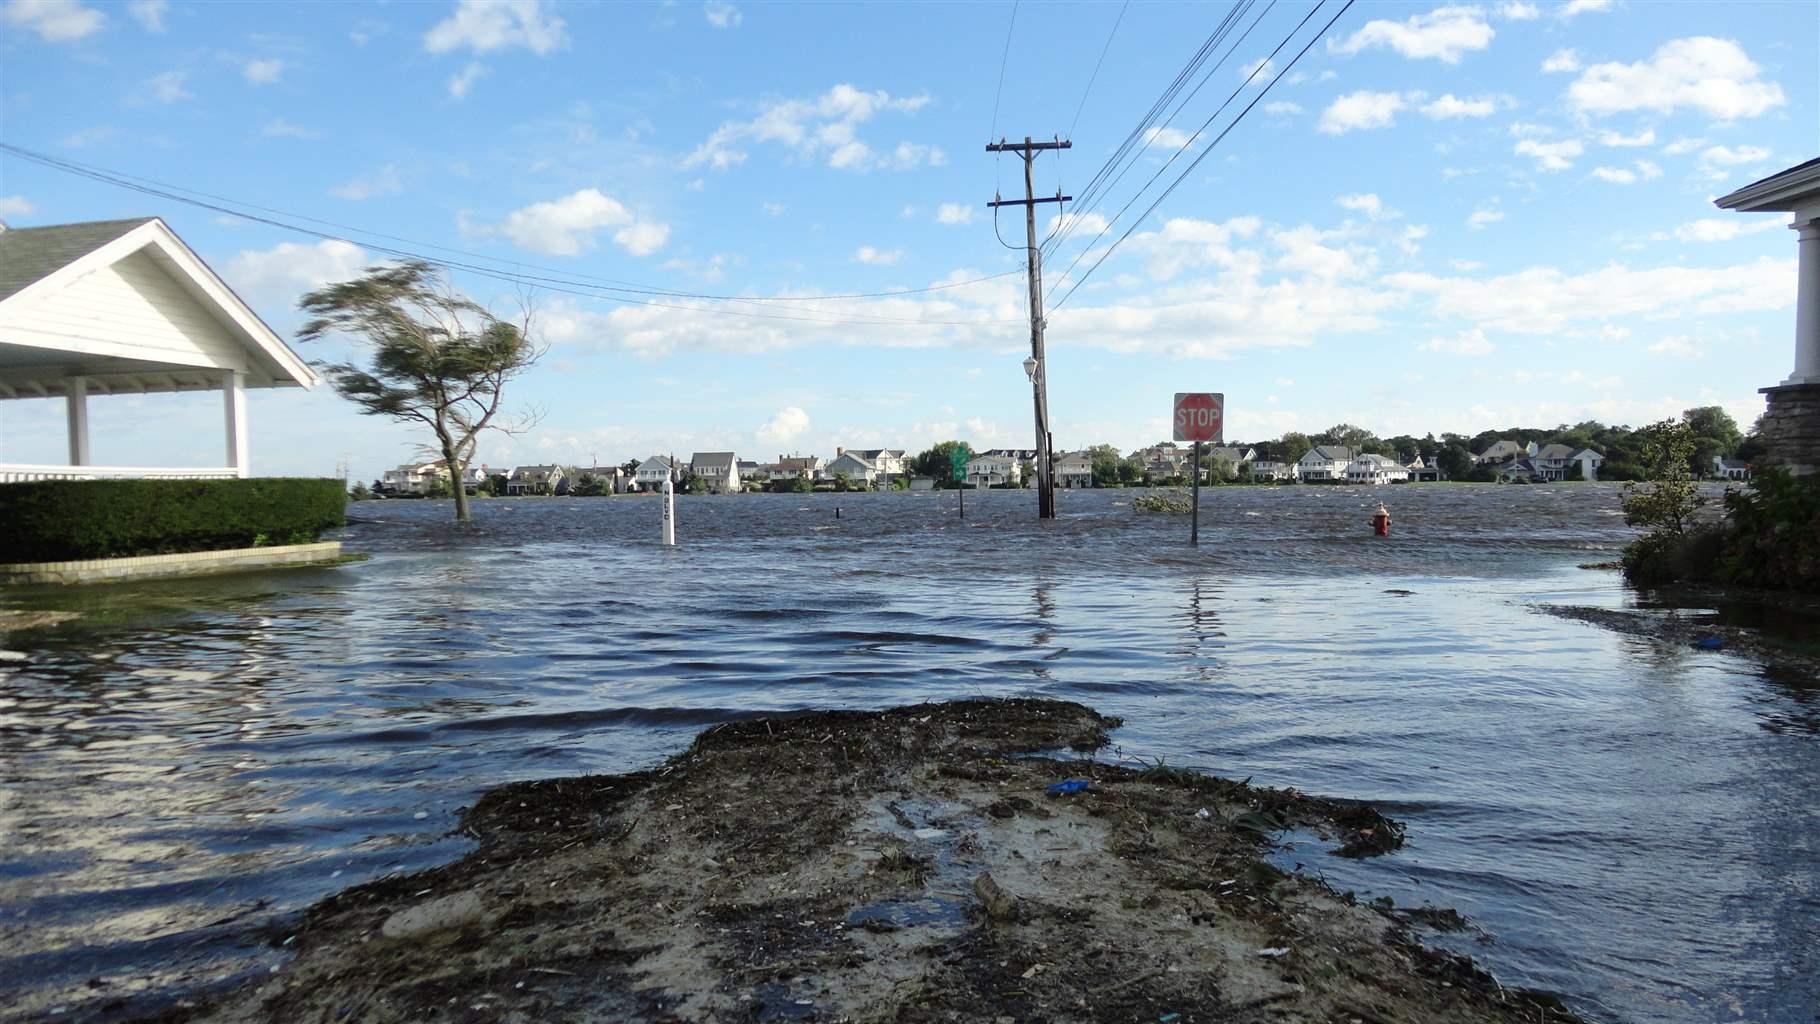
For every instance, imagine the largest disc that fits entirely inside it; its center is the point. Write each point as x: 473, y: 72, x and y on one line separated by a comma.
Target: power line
x: 1216, y: 141
x: 181, y: 194
x: 1096, y: 71
x: 1004, y: 59
x: 1147, y: 129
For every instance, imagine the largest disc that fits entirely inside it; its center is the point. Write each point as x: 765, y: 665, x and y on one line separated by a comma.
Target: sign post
x: 957, y: 466
x: 1199, y: 416
x: 669, y: 514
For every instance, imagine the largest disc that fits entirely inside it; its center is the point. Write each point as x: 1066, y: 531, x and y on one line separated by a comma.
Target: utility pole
x: 1036, y: 366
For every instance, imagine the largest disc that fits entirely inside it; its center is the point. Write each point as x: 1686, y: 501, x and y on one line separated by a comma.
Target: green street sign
x: 958, y: 460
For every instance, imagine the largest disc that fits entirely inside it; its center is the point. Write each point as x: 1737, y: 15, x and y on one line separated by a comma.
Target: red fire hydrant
x: 1380, y: 521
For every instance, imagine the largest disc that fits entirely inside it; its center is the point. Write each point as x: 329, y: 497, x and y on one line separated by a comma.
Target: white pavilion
x: 125, y: 307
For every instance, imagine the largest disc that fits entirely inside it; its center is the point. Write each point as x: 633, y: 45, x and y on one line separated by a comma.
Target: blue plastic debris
x: 1168, y: 1018
x: 1709, y: 643
x: 1069, y: 786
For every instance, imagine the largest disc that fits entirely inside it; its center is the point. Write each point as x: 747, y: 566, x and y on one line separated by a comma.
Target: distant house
x: 1730, y: 469
x: 1074, y: 470
x: 855, y: 467
x: 794, y: 467
x: 1324, y: 462
x: 414, y: 478
x: 1588, y: 462
x: 1500, y: 451
x: 1238, y: 458
x: 535, y: 480
x: 751, y: 471
x: 995, y: 469
x: 1163, y: 460
x: 719, y: 470
x: 1272, y: 468
x: 651, y: 473
x: 887, y: 462
x: 1555, y: 462
x: 1376, y: 469
x: 1519, y: 471
x: 1421, y: 469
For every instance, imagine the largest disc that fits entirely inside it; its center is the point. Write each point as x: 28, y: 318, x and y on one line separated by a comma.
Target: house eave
x: 1795, y: 188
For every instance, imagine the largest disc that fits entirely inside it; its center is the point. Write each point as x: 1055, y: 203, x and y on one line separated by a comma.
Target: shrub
x: 1774, y: 539
x: 62, y: 520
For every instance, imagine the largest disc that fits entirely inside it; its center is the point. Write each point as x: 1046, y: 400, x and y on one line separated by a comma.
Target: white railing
x: 12, y: 472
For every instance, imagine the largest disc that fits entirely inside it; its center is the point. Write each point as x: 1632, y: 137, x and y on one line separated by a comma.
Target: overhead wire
x: 1082, y: 105
x: 1138, y: 222
x: 558, y: 284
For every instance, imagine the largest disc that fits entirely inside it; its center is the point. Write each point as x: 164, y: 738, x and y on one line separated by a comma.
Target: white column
x: 76, y: 404
x: 1807, y: 308
x: 233, y: 395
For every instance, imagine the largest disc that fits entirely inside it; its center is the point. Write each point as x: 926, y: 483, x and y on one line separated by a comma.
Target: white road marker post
x: 669, y: 514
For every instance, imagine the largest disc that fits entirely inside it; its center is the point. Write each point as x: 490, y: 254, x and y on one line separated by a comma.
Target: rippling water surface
x: 1629, y: 825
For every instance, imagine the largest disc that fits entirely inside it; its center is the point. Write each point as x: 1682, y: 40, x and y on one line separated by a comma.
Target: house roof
x: 536, y: 470
x: 1377, y: 460
x: 799, y: 462
x: 1785, y: 190
x: 874, y: 454
x: 1329, y: 453
x: 1555, y: 451
x: 46, y: 273
x: 1587, y: 451
x: 713, y: 460
x: 1230, y: 454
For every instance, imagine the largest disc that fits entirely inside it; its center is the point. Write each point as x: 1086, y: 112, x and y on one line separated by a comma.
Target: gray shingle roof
x: 28, y: 255
x: 712, y: 460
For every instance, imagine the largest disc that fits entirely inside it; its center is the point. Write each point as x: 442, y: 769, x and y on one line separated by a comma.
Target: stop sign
x: 1199, y: 416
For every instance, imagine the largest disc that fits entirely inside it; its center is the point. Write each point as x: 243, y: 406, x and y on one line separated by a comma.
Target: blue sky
x: 1442, y: 218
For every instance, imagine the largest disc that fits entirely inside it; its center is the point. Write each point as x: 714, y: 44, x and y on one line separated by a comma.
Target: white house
x: 1074, y: 469
x: 1503, y: 451
x: 794, y: 467
x: 1588, y: 463
x: 534, y: 480
x: 1237, y: 459
x: 994, y: 469
x: 651, y: 473
x: 414, y: 478
x: 855, y: 467
x: 125, y: 307
x: 1272, y: 468
x: 1376, y: 469
x: 1730, y: 469
x: 719, y: 470
x: 1324, y: 462
x: 887, y: 462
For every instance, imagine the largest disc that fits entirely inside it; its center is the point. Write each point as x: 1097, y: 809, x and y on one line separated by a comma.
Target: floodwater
x: 1628, y: 825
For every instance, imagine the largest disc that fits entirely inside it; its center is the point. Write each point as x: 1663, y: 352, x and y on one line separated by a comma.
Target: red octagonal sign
x: 1199, y: 416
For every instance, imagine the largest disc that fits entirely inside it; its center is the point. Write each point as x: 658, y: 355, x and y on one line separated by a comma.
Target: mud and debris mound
x: 918, y: 864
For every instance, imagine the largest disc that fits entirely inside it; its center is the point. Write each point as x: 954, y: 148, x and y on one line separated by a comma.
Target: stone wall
x: 192, y: 563
x: 1791, y: 428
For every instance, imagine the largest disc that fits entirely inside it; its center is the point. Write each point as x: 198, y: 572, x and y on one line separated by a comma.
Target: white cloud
x: 1726, y: 156
x: 1263, y: 68
x: 1518, y: 11
x: 1615, y: 175
x: 790, y: 422
x: 1646, y: 137
x: 826, y: 126
x: 462, y: 81
x: 1165, y: 138
x: 54, y: 21
x: 1445, y: 34
x: 1361, y: 110
x: 279, y: 128
x: 877, y: 257
x: 487, y: 25
x: 16, y: 206
x: 1724, y: 229
x: 1649, y: 169
x: 1451, y: 106
x: 1466, y: 343
x: 279, y: 274
x: 1564, y: 61
x: 148, y: 13
x: 1551, y: 156
x: 773, y: 209
x: 1481, y: 217
x: 1678, y: 345
x: 722, y: 15
x: 1574, y: 7
x: 1366, y: 203
x: 1682, y: 147
x: 954, y: 213
x: 1282, y: 107
x: 264, y: 71
x: 383, y: 182
x: 1544, y: 300
x: 1466, y: 266
x: 1528, y: 130
x: 566, y: 226
x: 167, y: 87
x: 1704, y: 73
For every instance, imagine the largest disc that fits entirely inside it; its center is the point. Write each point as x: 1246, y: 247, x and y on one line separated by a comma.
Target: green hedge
x: 66, y: 520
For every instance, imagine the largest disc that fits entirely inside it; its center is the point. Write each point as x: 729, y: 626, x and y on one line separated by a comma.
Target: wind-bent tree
x: 437, y: 357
